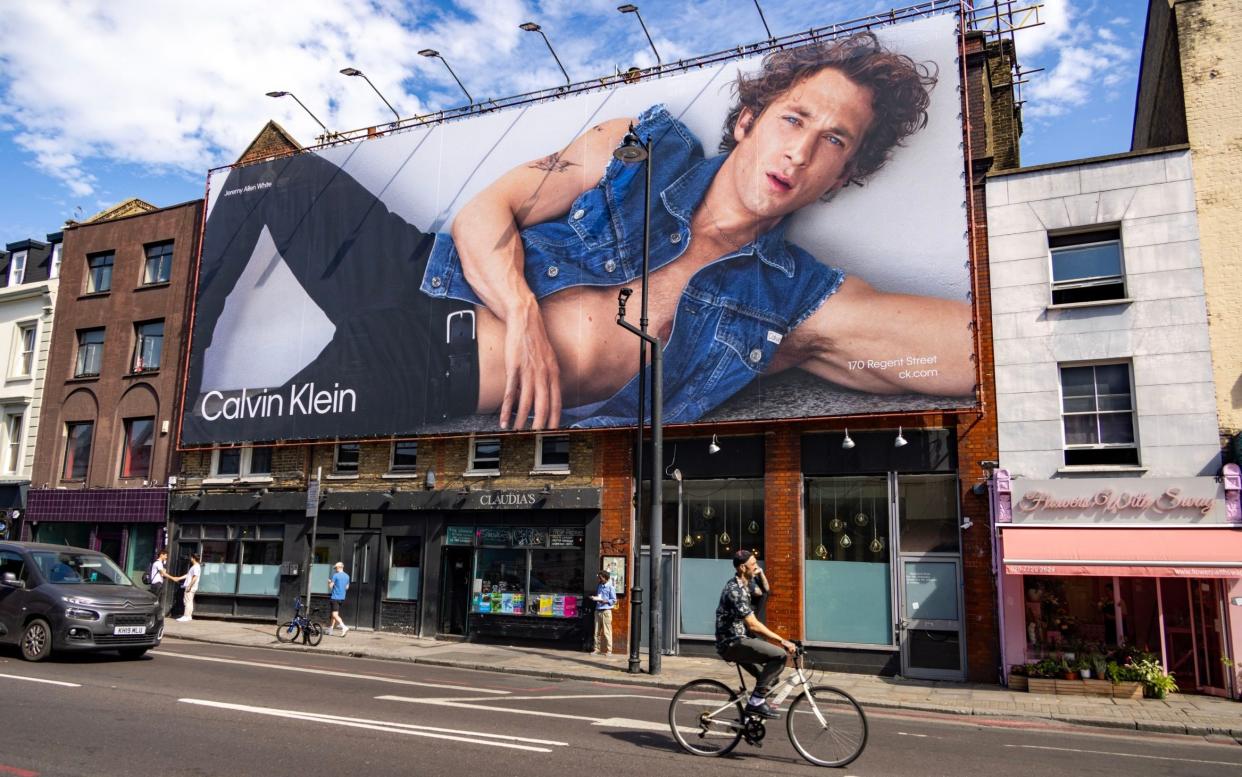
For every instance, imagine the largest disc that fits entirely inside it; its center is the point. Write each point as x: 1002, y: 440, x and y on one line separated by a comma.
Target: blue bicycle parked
x: 289, y: 631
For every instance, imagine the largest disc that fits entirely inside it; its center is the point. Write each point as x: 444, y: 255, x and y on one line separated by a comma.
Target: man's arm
x: 485, y: 233
x: 756, y: 627
x: 868, y: 340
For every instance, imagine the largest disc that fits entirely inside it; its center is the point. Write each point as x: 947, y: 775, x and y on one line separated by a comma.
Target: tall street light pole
x: 633, y: 149
x: 353, y: 71
x: 532, y: 27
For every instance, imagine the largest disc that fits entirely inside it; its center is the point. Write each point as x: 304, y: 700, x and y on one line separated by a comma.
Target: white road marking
x: 630, y: 723
x: 332, y: 673
x: 40, y: 680
x: 485, y: 708
x: 1128, y: 755
x: 408, y: 729
x: 907, y: 734
x: 470, y: 704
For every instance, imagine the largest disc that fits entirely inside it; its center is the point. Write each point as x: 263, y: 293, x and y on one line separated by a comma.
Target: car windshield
x: 72, y: 568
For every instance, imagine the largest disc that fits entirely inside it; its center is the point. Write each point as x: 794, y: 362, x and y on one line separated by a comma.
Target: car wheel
x: 132, y: 654
x: 36, y: 640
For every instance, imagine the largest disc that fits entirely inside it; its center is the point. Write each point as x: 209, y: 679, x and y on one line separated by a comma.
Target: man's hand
x: 532, y: 373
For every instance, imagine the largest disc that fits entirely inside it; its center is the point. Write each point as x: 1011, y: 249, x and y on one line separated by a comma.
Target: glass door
x: 930, y: 578
x: 668, y: 598
x: 361, y: 601
x: 1209, y: 635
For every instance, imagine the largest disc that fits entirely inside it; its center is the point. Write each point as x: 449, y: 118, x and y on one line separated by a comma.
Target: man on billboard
x: 514, y: 310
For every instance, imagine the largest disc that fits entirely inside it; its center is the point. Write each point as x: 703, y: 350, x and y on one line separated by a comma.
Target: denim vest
x: 732, y: 314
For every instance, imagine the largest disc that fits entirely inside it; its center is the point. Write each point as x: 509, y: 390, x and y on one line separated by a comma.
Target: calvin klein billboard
x: 807, y: 257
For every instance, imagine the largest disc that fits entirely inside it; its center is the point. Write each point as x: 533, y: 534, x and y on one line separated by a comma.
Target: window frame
x: 91, y: 284
x: 392, y: 457
x: 127, y: 440
x: 66, y: 475
x: 245, y: 465
x: 1078, y: 240
x: 13, y: 441
x: 473, y: 461
x: 79, y: 364
x: 543, y: 466
x: 24, y: 360
x: 135, y: 365
x: 17, y: 268
x: 336, y: 459
x: 1066, y: 447
x: 165, y: 262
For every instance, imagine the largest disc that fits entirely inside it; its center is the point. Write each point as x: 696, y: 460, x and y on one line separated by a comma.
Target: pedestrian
x: 605, y: 599
x: 155, y: 578
x: 338, y: 585
x: 189, y: 586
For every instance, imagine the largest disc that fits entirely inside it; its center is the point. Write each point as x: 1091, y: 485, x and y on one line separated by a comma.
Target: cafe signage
x: 1131, y: 502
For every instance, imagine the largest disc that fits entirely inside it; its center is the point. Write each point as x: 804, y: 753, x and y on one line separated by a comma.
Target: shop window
x: 536, y: 571
x: 148, y: 346
x: 78, y: 436
x: 552, y: 452
x: 324, y: 555
x: 139, y: 443
x: 345, y: 460
x: 23, y: 362
x: 1098, y: 415
x: 484, y: 456
x: 847, y: 572
x: 158, y: 267
x: 928, y: 513
x: 99, y: 273
x: 1087, y: 267
x: 404, y: 560
x: 237, y: 559
x: 243, y: 462
x: 404, y: 456
x: 13, y: 442
x: 90, y: 353
x: 17, y: 268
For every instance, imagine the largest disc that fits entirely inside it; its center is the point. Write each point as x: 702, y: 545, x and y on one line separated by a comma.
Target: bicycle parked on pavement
x: 301, y: 626
x: 825, y: 725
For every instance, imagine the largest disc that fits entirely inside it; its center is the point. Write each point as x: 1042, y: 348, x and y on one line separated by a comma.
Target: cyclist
x: 736, y: 640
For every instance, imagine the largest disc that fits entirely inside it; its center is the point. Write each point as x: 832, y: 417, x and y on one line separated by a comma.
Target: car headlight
x: 80, y: 614
x: 78, y: 600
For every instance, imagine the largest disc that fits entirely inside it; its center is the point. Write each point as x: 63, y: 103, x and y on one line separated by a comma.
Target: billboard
x: 806, y: 238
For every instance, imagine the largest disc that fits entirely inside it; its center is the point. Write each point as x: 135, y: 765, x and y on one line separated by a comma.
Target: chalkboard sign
x: 459, y: 535
x: 527, y: 537
x: 493, y: 535
x: 566, y: 537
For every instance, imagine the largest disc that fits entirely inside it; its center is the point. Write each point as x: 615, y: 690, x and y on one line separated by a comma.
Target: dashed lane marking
x: 1128, y: 755
x: 470, y: 704
x: 40, y: 680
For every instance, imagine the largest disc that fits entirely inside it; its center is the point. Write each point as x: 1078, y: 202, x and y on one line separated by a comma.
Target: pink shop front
x: 1117, y: 567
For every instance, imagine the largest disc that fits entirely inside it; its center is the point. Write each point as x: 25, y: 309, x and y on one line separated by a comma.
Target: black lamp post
x: 532, y: 27
x: 633, y: 149
x: 432, y: 53
x: 308, y: 110
x: 353, y: 71
x: 631, y: 8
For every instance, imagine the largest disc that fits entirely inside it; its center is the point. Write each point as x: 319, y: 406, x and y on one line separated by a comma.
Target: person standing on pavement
x: 155, y: 578
x: 189, y: 586
x: 605, y: 599
x: 338, y: 585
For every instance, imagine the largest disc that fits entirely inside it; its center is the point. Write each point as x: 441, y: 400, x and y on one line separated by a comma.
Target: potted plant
x: 1094, y: 677
x: 1083, y: 665
x: 1124, y: 678
x: 1157, y: 684
x: 1067, y: 672
x: 1039, y: 676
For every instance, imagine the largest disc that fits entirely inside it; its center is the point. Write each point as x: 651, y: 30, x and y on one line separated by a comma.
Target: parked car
x: 58, y: 598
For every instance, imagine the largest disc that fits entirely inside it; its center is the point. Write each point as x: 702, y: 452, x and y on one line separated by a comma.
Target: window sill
x: 481, y: 473
x: 399, y: 475
x: 255, y: 479
x: 143, y: 373
x: 82, y: 379
x: 19, y: 379
x: 219, y: 480
x: 94, y: 294
x: 1072, y: 469
x: 340, y: 476
x: 160, y: 285
x: 1096, y: 304
x: 538, y: 471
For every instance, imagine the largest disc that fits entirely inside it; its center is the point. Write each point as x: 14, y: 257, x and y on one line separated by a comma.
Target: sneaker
x: 596, y: 653
x: 762, y: 710
x: 184, y: 619
x: 344, y: 630
x: 331, y: 630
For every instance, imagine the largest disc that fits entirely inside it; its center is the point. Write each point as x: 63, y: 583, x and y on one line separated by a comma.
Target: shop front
x: 125, y: 524
x: 1094, y: 569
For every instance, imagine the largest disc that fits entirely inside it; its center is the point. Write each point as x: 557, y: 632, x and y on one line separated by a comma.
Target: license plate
x: 119, y: 630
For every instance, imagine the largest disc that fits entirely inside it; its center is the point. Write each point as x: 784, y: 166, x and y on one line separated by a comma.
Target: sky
x: 102, y: 101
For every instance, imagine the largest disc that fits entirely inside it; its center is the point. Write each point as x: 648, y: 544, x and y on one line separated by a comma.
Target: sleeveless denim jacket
x: 733, y: 313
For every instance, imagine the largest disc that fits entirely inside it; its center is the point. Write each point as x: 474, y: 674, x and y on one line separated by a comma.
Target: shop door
x: 1209, y: 617
x: 455, y: 590
x: 363, y: 565
x: 110, y: 541
x: 931, y: 623
x: 670, y: 602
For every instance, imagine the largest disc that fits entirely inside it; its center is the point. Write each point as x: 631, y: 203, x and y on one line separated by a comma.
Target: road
x: 196, y: 709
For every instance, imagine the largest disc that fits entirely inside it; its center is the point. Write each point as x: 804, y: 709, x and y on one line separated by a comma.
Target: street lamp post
x: 633, y: 149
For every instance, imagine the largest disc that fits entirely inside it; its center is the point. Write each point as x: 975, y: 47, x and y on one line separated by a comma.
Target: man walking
x: 338, y: 585
x: 605, y: 600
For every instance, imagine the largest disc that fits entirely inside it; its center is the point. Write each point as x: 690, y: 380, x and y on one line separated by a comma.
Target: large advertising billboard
x: 806, y: 239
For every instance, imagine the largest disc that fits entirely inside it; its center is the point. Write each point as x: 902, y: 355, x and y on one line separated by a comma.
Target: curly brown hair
x: 899, y: 89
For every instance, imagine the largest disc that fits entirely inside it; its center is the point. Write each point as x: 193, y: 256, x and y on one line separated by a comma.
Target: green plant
x: 1018, y: 670
x: 1098, y: 665
x: 1156, y: 682
x: 1046, y: 667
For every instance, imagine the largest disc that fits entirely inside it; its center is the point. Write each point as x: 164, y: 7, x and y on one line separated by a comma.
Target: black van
x: 54, y: 597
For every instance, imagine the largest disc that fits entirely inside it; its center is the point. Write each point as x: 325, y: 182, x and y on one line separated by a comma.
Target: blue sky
x: 101, y: 101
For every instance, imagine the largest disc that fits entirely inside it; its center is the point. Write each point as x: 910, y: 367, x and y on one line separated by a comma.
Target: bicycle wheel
x: 288, y: 632
x: 314, y: 633
x: 706, y: 718
x: 826, y: 726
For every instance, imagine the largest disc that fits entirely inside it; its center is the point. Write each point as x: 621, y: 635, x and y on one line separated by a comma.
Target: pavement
x: 1178, y: 714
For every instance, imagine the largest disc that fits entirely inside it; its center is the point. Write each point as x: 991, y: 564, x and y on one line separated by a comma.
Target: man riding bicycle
x: 736, y: 627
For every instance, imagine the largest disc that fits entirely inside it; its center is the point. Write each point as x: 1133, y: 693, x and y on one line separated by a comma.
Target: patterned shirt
x: 731, y: 614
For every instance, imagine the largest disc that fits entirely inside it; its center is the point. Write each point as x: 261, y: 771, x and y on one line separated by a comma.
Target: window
x: 99, y: 277
x: 525, y: 570
x: 237, y: 559
x: 148, y: 346
x: 17, y: 268
x: 13, y: 442
x: 1097, y: 408
x: 404, y: 456
x: 403, y: 566
x: 78, y: 437
x: 23, y: 365
x: 12, y: 563
x: 346, y: 460
x: 90, y: 353
x: 485, y: 455
x: 159, y: 264
x: 241, y: 462
x: 1087, y: 267
x: 54, y: 269
x: 552, y: 452
x: 139, y: 443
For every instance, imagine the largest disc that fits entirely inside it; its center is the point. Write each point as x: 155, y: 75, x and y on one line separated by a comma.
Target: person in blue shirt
x: 338, y: 585
x: 605, y: 599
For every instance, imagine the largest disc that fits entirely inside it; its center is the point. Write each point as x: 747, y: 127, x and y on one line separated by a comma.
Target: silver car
x: 57, y: 598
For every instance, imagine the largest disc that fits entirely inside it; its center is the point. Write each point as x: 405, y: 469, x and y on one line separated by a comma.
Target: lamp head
x: 901, y: 441
x: 631, y: 149
x: 848, y: 442
x: 529, y: 27
x: 714, y: 446
x: 277, y: 94
x: 350, y: 71
x: 627, y: 8
x: 429, y: 53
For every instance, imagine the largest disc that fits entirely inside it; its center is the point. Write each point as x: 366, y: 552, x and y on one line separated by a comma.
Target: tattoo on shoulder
x: 552, y: 163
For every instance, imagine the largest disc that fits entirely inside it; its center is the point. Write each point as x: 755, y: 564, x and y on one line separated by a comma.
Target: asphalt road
x: 196, y: 709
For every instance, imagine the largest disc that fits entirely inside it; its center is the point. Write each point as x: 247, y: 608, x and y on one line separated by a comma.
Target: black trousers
x: 763, y: 660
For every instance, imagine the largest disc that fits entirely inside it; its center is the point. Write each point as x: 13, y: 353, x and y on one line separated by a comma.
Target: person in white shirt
x: 189, y: 586
x: 155, y: 577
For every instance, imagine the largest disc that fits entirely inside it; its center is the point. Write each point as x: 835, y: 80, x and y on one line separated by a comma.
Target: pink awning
x: 1109, y: 552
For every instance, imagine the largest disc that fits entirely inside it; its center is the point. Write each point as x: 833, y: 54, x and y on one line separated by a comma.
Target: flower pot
x: 1070, y: 675
x: 1128, y: 691
x: 1042, y: 685
x: 1070, y: 688
x: 1097, y: 687
x: 1085, y: 674
x: 1017, y: 682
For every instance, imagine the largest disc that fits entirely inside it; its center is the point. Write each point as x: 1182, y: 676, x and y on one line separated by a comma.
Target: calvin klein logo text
x: 302, y: 399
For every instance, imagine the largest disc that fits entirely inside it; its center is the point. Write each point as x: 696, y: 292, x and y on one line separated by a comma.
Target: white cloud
x: 1081, y: 57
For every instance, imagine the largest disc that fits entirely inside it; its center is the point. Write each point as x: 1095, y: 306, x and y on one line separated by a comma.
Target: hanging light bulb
x: 836, y: 525
x: 687, y: 541
x: 753, y: 527
x: 820, y: 551
x: 861, y: 519
x: 845, y: 541
x: 725, y: 539
x: 877, y: 545
x: 709, y: 512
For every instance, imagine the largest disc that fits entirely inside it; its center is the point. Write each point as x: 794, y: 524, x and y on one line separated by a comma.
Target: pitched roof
x: 272, y: 140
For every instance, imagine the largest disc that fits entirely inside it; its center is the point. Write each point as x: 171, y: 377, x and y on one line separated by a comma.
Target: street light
x: 299, y: 102
x: 436, y: 54
x: 532, y: 27
x: 353, y: 71
x: 633, y: 149
x: 765, y: 21
x: 631, y: 8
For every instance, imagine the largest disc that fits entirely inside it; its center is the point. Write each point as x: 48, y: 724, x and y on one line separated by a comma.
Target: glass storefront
x: 236, y: 558
x: 404, y: 559
x: 524, y: 570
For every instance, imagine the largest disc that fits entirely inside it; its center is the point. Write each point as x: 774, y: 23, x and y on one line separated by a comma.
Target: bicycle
x: 825, y: 725
x: 289, y: 631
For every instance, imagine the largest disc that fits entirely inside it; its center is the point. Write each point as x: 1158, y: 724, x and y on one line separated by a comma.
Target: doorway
x: 363, y: 562
x: 1192, y: 612
x: 931, y: 618
x: 110, y: 541
x: 455, y: 590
